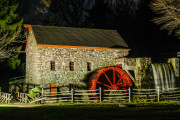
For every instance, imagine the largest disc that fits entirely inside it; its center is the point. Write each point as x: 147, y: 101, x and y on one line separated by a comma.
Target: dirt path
x: 20, y: 105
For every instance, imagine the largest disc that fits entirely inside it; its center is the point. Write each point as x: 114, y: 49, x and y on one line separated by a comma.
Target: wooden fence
x: 99, y: 95
x: 170, y: 94
x: 22, y: 97
x: 5, y: 97
x: 116, y: 95
x: 145, y: 95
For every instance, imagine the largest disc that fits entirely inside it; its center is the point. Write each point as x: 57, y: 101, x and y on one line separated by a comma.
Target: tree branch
x: 169, y: 15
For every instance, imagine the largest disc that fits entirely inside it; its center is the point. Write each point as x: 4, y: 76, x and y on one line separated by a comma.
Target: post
x: 129, y: 94
x: 9, y: 98
x: 25, y: 98
x: 72, y: 95
x: 158, y: 93
x: 42, y: 93
x: 100, y: 94
x: 6, y: 96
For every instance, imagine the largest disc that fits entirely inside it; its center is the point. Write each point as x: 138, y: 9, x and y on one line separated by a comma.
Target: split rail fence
x: 170, y: 94
x: 22, y: 97
x: 5, y: 97
x: 99, y: 95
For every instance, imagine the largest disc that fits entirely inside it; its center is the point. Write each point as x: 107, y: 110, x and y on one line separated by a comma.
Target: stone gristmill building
x: 87, y: 58
x: 64, y: 56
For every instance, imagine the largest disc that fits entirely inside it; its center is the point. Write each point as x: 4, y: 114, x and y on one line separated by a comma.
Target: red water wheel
x: 112, y: 77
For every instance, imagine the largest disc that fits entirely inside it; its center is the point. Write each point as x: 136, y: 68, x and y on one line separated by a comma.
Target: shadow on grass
x: 92, y: 112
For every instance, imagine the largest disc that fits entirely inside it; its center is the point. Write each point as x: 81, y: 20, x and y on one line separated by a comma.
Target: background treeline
x: 132, y: 19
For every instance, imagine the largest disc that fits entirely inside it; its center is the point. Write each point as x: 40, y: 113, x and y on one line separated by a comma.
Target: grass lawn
x: 144, y: 111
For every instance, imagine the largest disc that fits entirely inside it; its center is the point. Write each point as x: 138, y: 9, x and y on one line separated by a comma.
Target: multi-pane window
x: 72, y: 66
x: 53, y: 65
x: 89, y: 66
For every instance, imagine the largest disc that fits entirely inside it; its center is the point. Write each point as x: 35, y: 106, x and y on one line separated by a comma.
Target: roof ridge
x: 55, y: 35
x: 76, y: 28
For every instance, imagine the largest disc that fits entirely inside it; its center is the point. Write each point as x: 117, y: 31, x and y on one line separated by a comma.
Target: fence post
x: 100, y: 94
x: 129, y: 94
x: 42, y: 93
x: 20, y: 97
x: 158, y: 93
x: 9, y: 97
x: 6, y: 98
x: 26, y: 100
x: 72, y: 95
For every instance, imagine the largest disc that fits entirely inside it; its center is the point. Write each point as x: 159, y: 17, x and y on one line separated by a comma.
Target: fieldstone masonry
x: 139, y: 66
x: 175, y: 63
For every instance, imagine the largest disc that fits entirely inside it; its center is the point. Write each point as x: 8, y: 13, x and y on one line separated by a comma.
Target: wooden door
x: 53, y: 90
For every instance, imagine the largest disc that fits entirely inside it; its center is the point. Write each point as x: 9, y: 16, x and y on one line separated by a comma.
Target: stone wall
x: 32, y: 72
x: 175, y: 63
x: 142, y: 72
x: 176, y: 66
x: 38, y: 59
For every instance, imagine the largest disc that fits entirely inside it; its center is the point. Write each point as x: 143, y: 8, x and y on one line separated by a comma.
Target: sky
x: 134, y: 25
x: 137, y: 1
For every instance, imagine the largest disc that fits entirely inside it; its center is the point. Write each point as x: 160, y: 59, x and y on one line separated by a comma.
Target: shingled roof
x: 51, y: 35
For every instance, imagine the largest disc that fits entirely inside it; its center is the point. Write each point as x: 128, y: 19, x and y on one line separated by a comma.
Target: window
x: 89, y: 66
x: 53, y: 65
x: 72, y: 66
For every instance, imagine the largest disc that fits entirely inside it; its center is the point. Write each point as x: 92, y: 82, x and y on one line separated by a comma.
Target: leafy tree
x: 34, y: 93
x: 15, y: 62
x: 168, y: 15
x: 10, y: 28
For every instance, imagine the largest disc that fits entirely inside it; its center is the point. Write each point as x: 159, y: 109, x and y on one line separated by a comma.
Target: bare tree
x: 67, y: 12
x: 168, y: 15
x: 8, y: 44
x: 130, y: 6
x: 45, y: 4
x: 10, y: 28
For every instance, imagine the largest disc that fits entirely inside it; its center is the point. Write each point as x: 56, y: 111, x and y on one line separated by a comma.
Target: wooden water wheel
x: 112, y: 77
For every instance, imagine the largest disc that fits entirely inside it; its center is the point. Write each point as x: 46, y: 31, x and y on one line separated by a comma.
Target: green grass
x: 146, y: 111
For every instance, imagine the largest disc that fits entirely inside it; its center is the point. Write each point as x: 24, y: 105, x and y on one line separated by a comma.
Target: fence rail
x: 5, y: 97
x: 145, y: 95
x: 22, y: 97
x: 99, y: 95
x: 170, y: 94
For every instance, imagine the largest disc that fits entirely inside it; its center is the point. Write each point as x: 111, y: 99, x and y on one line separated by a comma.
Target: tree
x: 130, y: 6
x: 168, y: 15
x: 10, y: 28
x: 113, y: 14
x: 67, y: 12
